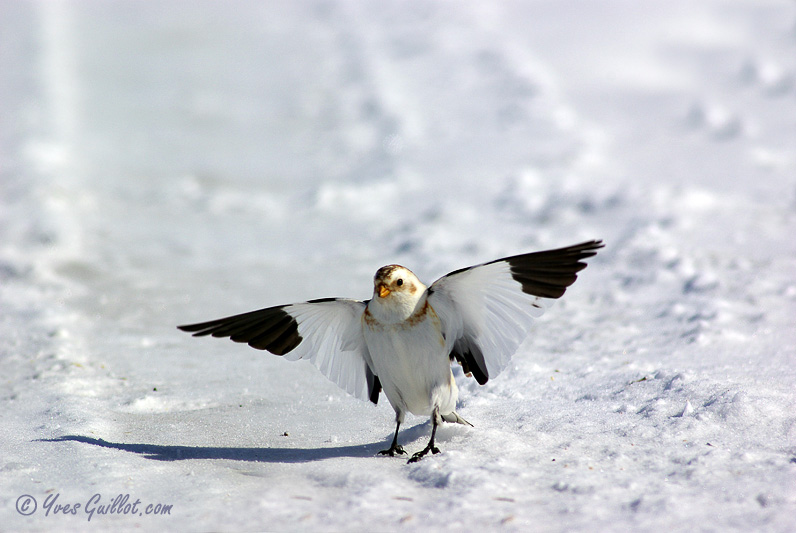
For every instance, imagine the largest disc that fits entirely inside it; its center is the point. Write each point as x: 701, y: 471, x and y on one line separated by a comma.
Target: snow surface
x: 165, y: 163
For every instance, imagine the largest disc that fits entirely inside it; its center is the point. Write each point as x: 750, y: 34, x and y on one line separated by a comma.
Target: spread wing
x: 327, y: 333
x: 486, y: 310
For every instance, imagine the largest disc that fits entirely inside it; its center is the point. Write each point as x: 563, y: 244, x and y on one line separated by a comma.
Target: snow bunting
x: 403, y: 339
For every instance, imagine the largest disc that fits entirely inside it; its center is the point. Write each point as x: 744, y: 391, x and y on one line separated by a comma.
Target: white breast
x: 412, y: 363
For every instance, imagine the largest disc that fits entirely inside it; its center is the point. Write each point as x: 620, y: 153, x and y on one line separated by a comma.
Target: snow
x: 166, y: 163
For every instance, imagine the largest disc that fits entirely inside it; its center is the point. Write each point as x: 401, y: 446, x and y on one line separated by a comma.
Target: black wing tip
x: 548, y: 273
x: 272, y: 329
x: 559, y: 260
x: 580, y: 251
x: 588, y: 248
x: 196, y: 329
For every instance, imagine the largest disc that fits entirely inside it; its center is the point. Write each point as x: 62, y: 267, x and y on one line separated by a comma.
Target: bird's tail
x: 453, y: 416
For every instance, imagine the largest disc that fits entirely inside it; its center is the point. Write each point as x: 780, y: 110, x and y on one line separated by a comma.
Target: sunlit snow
x: 163, y: 163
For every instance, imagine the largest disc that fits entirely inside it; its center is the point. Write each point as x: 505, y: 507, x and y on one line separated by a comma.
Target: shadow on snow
x: 162, y: 452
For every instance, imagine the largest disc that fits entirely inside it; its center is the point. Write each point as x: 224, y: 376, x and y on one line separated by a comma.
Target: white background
x: 167, y: 163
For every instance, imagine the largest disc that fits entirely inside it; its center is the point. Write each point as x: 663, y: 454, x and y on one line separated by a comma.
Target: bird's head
x: 396, y: 292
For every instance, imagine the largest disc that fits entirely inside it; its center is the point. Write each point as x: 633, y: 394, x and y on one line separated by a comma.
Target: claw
x: 393, y: 450
x: 435, y: 420
x: 422, y: 453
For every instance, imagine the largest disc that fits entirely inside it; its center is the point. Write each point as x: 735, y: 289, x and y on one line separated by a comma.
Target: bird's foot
x: 422, y: 453
x: 393, y: 450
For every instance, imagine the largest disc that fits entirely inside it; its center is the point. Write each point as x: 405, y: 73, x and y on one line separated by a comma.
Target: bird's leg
x: 435, y: 421
x: 394, y: 447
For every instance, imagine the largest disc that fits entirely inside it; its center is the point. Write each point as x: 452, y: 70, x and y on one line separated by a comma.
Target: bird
x: 404, y: 340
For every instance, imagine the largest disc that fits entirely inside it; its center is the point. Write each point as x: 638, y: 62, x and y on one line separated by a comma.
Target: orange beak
x: 383, y: 291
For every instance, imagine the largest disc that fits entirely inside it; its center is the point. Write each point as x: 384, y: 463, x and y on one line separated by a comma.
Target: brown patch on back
x: 368, y: 318
x: 426, y: 312
x: 419, y: 315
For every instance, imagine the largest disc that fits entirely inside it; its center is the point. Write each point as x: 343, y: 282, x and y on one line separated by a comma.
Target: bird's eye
x: 399, y: 282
